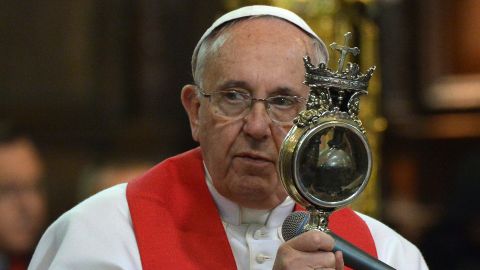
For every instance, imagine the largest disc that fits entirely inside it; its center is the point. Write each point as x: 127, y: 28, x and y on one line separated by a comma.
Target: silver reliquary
x: 325, y: 160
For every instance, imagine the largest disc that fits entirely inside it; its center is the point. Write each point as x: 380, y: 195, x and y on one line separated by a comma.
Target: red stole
x: 177, y: 225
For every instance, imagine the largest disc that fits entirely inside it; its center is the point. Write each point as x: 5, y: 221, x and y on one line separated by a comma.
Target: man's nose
x: 257, y: 121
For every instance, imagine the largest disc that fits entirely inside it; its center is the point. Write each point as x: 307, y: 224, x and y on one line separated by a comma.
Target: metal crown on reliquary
x: 334, y: 93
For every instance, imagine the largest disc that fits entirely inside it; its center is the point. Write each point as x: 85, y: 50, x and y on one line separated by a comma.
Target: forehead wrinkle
x: 315, y: 46
x: 254, y: 29
x: 249, y: 35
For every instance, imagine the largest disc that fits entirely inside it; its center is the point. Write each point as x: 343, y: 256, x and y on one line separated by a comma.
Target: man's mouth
x: 253, y: 157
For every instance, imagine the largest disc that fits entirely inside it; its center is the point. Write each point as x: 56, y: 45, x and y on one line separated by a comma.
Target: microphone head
x: 294, y: 224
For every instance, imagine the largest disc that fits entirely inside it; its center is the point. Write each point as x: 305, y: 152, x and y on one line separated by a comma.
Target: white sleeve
x: 392, y: 248
x: 96, y: 234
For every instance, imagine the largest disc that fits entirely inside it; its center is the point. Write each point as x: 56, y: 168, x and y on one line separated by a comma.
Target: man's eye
x: 282, y: 101
x: 233, y: 96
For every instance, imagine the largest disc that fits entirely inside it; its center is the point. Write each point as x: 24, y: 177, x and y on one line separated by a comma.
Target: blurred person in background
x: 22, y: 200
x: 107, y: 174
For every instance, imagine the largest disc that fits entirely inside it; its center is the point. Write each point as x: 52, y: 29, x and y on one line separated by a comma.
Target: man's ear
x: 191, y: 103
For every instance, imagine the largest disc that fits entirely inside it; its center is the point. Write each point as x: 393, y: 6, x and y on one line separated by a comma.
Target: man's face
x: 22, y: 205
x: 264, y: 57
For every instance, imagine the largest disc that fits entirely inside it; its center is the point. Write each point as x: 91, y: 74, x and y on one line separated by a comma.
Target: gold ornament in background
x: 330, y: 19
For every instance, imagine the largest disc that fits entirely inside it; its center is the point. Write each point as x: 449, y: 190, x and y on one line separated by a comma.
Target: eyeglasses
x: 236, y: 103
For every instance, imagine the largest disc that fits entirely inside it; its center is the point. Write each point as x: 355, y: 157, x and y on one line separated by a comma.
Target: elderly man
x: 221, y: 206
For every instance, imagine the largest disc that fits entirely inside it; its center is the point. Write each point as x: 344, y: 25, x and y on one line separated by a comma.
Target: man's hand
x: 309, y: 250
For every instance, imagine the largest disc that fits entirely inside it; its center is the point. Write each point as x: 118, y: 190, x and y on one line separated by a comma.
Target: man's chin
x: 253, y: 167
x: 254, y: 185
x: 259, y: 198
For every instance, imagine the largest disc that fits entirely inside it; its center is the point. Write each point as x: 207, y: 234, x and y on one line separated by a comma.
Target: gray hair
x: 214, y: 41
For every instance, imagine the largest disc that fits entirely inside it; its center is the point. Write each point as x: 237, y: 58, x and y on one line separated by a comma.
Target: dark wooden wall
x: 91, y: 80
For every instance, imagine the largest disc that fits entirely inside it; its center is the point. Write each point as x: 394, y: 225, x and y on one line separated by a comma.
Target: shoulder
x: 103, y: 212
x: 109, y: 203
x: 95, y: 233
x: 392, y: 248
x: 170, y: 177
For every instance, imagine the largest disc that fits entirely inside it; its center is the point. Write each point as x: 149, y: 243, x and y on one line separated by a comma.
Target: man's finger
x: 312, y: 241
x: 339, y: 260
x: 289, y: 258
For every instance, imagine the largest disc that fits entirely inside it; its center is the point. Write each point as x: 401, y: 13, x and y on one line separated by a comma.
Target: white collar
x: 234, y: 214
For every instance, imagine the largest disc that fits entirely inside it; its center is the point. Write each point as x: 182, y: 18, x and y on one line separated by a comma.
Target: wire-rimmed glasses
x: 236, y: 103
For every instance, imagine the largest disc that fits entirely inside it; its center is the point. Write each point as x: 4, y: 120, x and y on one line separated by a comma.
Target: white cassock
x: 98, y: 234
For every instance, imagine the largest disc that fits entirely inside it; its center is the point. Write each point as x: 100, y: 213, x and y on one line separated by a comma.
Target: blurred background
x: 96, y: 84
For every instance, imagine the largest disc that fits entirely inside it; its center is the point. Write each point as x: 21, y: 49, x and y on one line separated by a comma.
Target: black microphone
x: 353, y: 257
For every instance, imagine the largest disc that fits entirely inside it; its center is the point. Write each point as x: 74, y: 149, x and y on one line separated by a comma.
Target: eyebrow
x: 234, y: 84
x: 282, y: 90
